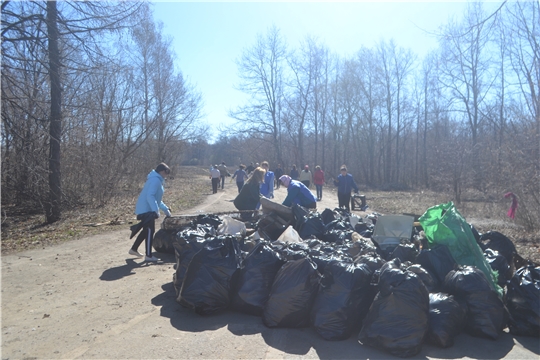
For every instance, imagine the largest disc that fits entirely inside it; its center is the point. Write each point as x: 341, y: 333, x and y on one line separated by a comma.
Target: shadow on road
x: 301, y: 341
x: 119, y: 272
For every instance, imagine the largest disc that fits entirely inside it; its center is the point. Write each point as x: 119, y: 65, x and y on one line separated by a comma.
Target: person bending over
x: 298, y: 193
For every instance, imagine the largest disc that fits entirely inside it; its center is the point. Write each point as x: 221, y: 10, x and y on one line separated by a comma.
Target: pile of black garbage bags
x: 342, y: 283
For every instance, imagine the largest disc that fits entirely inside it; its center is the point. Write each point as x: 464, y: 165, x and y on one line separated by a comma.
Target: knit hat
x: 285, y: 179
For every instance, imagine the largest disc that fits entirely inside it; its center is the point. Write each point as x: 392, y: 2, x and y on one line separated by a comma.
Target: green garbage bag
x: 443, y: 224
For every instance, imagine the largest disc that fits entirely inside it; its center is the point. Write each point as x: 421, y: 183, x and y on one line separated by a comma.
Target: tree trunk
x: 53, y: 211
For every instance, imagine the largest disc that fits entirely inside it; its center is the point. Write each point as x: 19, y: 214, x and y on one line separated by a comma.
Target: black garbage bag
x: 341, y: 291
x: 293, y: 293
x: 475, y: 232
x: 497, y: 241
x: 207, y: 219
x: 334, y: 236
x: 339, y: 224
x: 446, y: 319
x: 300, y: 213
x: 487, y: 315
x: 328, y: 216
x: 374, y: 261
x: 424, y: 275
x: 404, y: 252
x: 163, y: 241
x: 523, y: 301
x: 210, y: 276
x: 398, y: 318
x: 187, y: 244
x: 438, y: 261
x: 498, y: 262
x: 255, y: 279
x: 312, y: 227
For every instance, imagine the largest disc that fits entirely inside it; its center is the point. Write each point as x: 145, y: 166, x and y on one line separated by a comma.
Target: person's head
x: 294, y: 167
x: 343, y: 170
x: 223, y: 163
x: 318, y: 168
x: 285, y: 180
x: 278, y: 165
x: 257, y: 175
x: 215, y: 166
x: 256, y: 165
x: 306, y: 168
x: 163, y: 170
x: 242, y: 167
x: 264, y: 165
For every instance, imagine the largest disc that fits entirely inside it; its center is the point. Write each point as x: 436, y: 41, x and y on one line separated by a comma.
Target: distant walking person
x: 240, y: 176
x: 215, y: 176
x: 267, y: 187
x: 305, y: 176
x: 345, y: 184
x: 318, y: 180
x: 294, y: 173
x: 250, y: 168
x: 277, y: 174
x: 222, y: 173
x: 147, y: 210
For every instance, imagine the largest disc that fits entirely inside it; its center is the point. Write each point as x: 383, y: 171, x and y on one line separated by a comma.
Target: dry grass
x: 23, y: 232
x: 484, y: 212
x: 187, y: 189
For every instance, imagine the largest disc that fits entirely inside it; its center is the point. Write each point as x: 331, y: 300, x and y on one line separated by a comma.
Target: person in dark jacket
x: 147, y: 210
x: 345, y: 184
x: 277, y: 174
x: 250, y: 194
x: 294, y: 173
x: 298, y: 193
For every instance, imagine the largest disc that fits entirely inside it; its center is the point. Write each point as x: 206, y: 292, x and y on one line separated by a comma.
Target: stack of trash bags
x: 327, y: 273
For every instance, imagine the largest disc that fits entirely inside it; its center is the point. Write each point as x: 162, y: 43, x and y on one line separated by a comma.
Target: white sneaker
x: 135, y: 253
x: 151, y: 258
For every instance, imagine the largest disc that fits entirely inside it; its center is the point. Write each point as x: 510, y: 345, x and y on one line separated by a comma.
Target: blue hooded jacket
x: 151, y: 195
x: 298, y: 193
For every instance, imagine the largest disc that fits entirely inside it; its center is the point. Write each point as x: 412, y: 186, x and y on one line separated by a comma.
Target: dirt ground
x: 89, y: 299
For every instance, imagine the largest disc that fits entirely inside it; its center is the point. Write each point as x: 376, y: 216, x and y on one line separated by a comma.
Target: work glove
x: 168, y: 212
x: 356, y: 191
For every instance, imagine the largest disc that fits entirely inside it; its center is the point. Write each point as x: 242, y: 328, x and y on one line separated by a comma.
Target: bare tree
x: 261, y: 77
x: 467, y: 72
x: 60, y: 29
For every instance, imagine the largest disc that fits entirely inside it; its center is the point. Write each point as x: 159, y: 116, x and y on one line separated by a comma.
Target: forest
x: 91, y: 97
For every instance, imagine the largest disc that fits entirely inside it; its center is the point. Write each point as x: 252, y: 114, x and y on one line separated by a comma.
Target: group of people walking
x: 298, y: 185
x: 253, y: 183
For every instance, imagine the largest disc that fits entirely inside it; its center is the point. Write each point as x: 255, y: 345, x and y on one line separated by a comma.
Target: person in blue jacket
x: 147, y: 210
x: 345, y: 184
x: 267, y: 187
x: 298, y: 193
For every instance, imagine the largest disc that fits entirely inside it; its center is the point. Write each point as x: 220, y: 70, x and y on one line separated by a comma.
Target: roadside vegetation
x: 189, y: 186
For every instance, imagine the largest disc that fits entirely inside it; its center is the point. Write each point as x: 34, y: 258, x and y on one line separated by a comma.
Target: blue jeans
x: 222, y: 181
x: 239, y: 184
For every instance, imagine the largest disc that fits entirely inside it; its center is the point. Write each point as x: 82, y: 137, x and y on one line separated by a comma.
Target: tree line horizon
x: 465, y: 116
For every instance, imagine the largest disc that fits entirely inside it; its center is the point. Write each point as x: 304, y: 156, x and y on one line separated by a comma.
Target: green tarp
x: 443, y: 224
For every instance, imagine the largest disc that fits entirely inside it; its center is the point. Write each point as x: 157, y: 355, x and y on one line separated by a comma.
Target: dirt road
x: 89, y: 299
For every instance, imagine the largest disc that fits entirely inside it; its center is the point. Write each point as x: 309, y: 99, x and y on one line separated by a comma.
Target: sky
x: 208, y: 37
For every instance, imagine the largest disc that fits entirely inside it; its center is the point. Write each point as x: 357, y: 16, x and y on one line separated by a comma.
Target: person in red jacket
x: 318, y: 179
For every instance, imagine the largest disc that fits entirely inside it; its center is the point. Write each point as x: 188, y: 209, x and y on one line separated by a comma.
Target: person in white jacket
x: 147, y: 210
